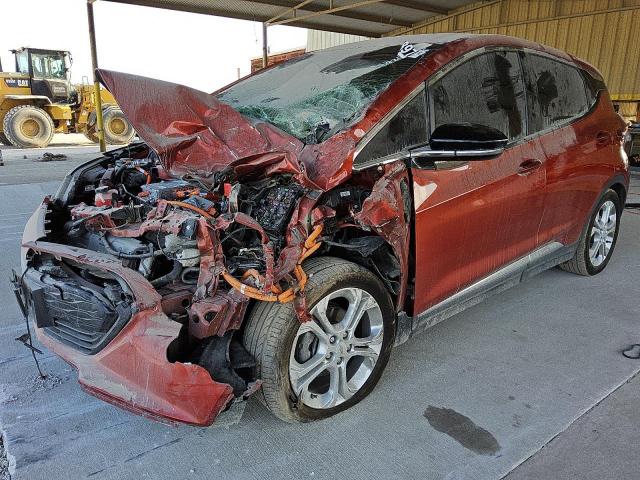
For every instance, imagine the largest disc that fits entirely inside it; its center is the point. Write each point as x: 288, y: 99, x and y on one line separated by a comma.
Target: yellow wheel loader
x: 39, y: 100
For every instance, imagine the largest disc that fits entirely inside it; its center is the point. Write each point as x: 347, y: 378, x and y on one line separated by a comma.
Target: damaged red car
x: 280, y: 236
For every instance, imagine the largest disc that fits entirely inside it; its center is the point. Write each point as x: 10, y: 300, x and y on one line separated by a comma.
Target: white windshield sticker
x: 408, y: 50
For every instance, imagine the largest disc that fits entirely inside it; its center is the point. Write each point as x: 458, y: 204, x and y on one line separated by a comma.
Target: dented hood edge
x: 193, y: 132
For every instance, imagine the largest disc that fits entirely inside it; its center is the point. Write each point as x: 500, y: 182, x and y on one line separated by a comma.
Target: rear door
x: 471, y: 218
x: 578, y: 138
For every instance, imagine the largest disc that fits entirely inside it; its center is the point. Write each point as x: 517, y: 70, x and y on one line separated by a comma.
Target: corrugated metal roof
x: 370, y: 18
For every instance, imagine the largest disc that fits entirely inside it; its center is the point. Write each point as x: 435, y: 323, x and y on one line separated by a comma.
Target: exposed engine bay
x: 147, y: 266
x: 133, y: 210
x: 209, y: 248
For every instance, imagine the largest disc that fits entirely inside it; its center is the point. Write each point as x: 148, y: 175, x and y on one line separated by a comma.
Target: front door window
x: 487, y: 90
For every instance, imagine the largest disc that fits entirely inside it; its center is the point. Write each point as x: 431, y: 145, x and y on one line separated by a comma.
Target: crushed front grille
x: 74, y: 310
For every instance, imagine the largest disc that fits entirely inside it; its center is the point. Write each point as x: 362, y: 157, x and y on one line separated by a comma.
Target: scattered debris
x: 8, y: 394
x: 45, y: 383
x: 31, y: 385
x: 516, y: 420
x: 52, y: 157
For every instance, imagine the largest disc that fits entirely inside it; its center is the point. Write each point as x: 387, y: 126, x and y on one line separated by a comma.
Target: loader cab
x: 49, y: 73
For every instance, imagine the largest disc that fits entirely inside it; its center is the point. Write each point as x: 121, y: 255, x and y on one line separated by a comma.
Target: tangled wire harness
x: 277, y: 295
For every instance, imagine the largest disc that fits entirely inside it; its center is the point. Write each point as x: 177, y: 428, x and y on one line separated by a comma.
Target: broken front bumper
x: 131, y: 370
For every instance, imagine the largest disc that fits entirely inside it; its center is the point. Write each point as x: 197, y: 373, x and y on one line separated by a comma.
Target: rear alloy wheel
x: 315, y: 369
x: 603, y: 233
x: 597, y: 242
x: 26, y: 126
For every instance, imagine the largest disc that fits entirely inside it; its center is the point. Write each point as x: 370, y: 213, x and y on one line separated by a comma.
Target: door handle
x: 603, y: 139
x: 529, y: 166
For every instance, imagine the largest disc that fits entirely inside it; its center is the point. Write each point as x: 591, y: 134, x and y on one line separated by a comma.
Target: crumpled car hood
x: 193, y: 132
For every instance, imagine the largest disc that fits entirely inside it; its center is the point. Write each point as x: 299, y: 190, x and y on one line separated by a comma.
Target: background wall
x: 317, y: 40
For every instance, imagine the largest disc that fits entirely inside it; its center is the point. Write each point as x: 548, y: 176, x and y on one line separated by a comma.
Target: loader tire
x: 117, y: 129
x: 92, y: 136
x: 26, y: 126
x: 90, y: 132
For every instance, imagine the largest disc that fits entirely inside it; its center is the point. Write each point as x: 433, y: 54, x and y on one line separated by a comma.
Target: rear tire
x: 598, y: 240
x: 272, y: 335
x: 26, y: 126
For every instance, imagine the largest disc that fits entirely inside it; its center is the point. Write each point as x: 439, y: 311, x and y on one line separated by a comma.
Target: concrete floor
x: 602, y: 444
x: 530, y: 384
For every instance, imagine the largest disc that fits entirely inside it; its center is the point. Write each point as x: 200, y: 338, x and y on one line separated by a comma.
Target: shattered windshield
x: 317, y: 94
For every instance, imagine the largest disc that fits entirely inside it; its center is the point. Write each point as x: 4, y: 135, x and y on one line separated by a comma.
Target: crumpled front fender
x: 133, y: 372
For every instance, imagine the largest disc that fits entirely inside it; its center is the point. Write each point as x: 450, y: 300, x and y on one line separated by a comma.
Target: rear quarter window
x: 594, y: 87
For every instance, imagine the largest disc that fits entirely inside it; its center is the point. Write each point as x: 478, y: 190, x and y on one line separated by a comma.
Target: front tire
x: 598, y: 240
x: 316, y: 369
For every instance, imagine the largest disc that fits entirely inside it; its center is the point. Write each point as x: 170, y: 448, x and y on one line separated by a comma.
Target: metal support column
x: 265, y: 48
x: 96, y: 83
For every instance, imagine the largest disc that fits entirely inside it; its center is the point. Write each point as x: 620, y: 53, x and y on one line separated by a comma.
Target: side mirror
x: 468, y: 141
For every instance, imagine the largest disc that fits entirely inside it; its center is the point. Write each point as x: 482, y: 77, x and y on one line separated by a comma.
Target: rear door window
x: 487, y: 89
x: 556, y: 92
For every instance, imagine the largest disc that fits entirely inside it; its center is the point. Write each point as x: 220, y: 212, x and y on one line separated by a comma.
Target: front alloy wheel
x: 334, y: 355
x: 315, y: 369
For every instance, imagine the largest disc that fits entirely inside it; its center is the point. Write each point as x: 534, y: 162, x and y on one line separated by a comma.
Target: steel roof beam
x: 306, y: 21
x: 423, y: 7
x: 327, y: 11
x: 306, y: 6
